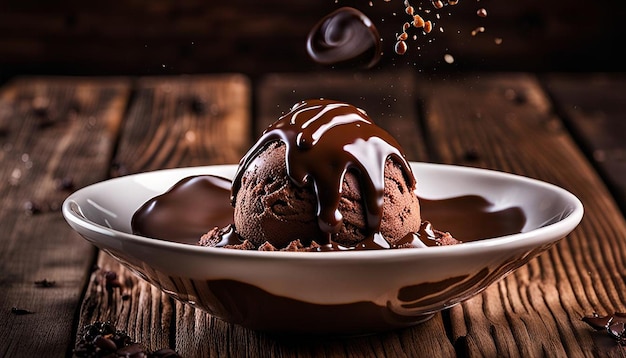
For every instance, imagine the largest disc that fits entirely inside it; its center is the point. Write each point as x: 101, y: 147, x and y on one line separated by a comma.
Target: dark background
x: 155, y: 37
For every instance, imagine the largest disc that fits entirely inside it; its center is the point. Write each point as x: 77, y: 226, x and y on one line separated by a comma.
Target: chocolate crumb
x: 246, y: 245
x: 445, y: 239
x: 110, y: 276
x: 45, y: 283
x: 32, y: 208
x: 103, y: 339
x: 111, y: 280
x: 614, y: 325
x: 266, y: 246
x: 471, y: 155
x: 197, y: 106
x: 295, y: 246
x: 118, y: 169
x: 20, y: 311
x: 618, y: 331
x: 74, y: 107
x: 45, y: 122
x: 212, y: 237
x: 65, y: 183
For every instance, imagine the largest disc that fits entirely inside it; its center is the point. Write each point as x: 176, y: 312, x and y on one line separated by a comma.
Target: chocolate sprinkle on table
x: 45, y: 283
x: 20, y: 311
x: 103, y: 339
x: 614, y: 325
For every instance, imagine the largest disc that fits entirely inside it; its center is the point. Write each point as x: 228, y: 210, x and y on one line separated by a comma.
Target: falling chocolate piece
x: 346, y: 37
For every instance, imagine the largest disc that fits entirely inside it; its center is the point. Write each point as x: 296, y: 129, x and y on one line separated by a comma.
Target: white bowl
x: 329, y: 292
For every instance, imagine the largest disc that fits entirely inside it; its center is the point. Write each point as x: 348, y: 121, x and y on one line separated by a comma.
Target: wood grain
x: 89, y: 129
x: 52, y: 130
x: 592, y: 106
x: 185, y: 121
x: 171, y: 122
x: 508, y: 123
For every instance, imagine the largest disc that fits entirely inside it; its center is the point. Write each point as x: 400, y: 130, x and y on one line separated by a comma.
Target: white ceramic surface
x: 366, y: 291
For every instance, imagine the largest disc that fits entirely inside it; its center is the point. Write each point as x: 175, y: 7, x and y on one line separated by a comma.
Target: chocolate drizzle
x: 313, y: 131
x: 324, y: 144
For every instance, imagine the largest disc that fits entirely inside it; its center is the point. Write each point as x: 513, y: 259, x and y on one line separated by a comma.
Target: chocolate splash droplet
x: 346, y: 37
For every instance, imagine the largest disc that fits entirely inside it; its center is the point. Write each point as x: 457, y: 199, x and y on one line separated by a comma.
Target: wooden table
x: 61, y: 134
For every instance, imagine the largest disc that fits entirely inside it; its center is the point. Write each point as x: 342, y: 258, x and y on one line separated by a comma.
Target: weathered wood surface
x: 592, y: 105
x: 172, y: 122
x: 55, y: 135
x: 508, y: 124
x: 92, y: 129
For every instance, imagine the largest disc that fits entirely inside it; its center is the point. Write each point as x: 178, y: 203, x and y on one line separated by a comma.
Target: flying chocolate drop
x: 346, y: 37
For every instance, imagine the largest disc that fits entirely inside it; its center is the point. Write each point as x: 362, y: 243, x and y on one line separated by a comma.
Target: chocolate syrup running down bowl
x: 351, y: 292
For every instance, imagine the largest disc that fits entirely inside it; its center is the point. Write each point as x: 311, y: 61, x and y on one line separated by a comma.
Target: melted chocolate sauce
x: 187, y: 211
x: 472, y: 217
x: 198, y: 204
x: 346, y: 37
x: 324, y: 139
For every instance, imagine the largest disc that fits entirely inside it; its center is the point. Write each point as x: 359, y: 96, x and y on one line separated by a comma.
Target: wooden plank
x: 171, y: 122
x: 506, y: 122
x: 56, y: 135
x: 185, y: 121
x: 592, y: 106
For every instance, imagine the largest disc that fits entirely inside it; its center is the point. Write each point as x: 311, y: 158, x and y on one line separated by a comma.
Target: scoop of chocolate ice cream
x: 271, y: 207
x: 325, y: 173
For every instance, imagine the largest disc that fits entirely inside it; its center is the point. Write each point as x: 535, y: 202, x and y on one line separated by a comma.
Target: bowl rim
x: 539, y: 236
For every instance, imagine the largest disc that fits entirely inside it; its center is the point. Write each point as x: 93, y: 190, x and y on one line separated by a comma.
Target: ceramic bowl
x: 354, y: 292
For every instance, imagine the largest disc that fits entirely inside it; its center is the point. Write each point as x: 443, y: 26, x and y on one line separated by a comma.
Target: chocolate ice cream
x: 270, y: 207
x: 324, y: 176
